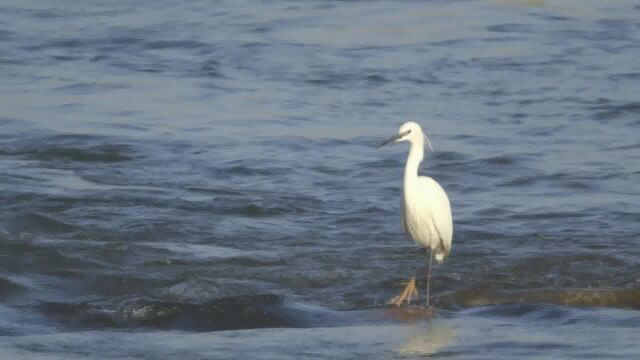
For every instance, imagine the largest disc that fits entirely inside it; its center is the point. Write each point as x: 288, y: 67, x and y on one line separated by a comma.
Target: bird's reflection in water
x: 428, y: 334
x: 428, y: 338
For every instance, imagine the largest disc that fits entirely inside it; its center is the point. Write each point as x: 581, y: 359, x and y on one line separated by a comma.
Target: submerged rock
x: 271, y: 311
x: 618, y: 298
x: 239, y: 312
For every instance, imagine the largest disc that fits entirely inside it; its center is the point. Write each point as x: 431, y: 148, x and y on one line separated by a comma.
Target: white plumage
x: 426, y: 216
x: 426, y: 212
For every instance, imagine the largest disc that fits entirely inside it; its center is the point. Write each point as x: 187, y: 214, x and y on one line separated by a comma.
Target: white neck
x: 416, y: 154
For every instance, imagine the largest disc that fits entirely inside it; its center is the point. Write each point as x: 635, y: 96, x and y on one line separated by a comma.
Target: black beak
x: 394, y: 138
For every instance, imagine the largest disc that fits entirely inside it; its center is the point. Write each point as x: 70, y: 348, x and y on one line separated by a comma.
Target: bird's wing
x: 439, y: 210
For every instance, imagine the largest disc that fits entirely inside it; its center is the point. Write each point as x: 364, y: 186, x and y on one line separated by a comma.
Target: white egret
x: 426, y: 212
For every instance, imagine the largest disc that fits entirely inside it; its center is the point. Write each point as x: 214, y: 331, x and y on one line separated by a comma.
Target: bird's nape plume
x: 428, y: 142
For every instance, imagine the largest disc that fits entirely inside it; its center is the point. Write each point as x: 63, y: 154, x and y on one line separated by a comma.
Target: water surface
x: 197, y: 180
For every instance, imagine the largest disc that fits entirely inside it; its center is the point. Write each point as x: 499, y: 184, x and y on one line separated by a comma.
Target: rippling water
x: 197, y: 180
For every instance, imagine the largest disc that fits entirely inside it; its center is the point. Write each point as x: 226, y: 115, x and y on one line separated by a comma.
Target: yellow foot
x: 409, y: 291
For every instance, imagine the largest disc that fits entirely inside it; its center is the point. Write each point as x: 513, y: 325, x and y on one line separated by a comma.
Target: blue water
x: 200, y: 179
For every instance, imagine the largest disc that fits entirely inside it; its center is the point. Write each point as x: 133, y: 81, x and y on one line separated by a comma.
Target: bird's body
x: 426, y: 211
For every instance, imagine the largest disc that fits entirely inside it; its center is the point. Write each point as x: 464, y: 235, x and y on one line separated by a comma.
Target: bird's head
x: 411, y: 132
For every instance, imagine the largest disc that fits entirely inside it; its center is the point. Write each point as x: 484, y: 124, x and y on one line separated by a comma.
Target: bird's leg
x: 429, y: 275
x: 409, y: 291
